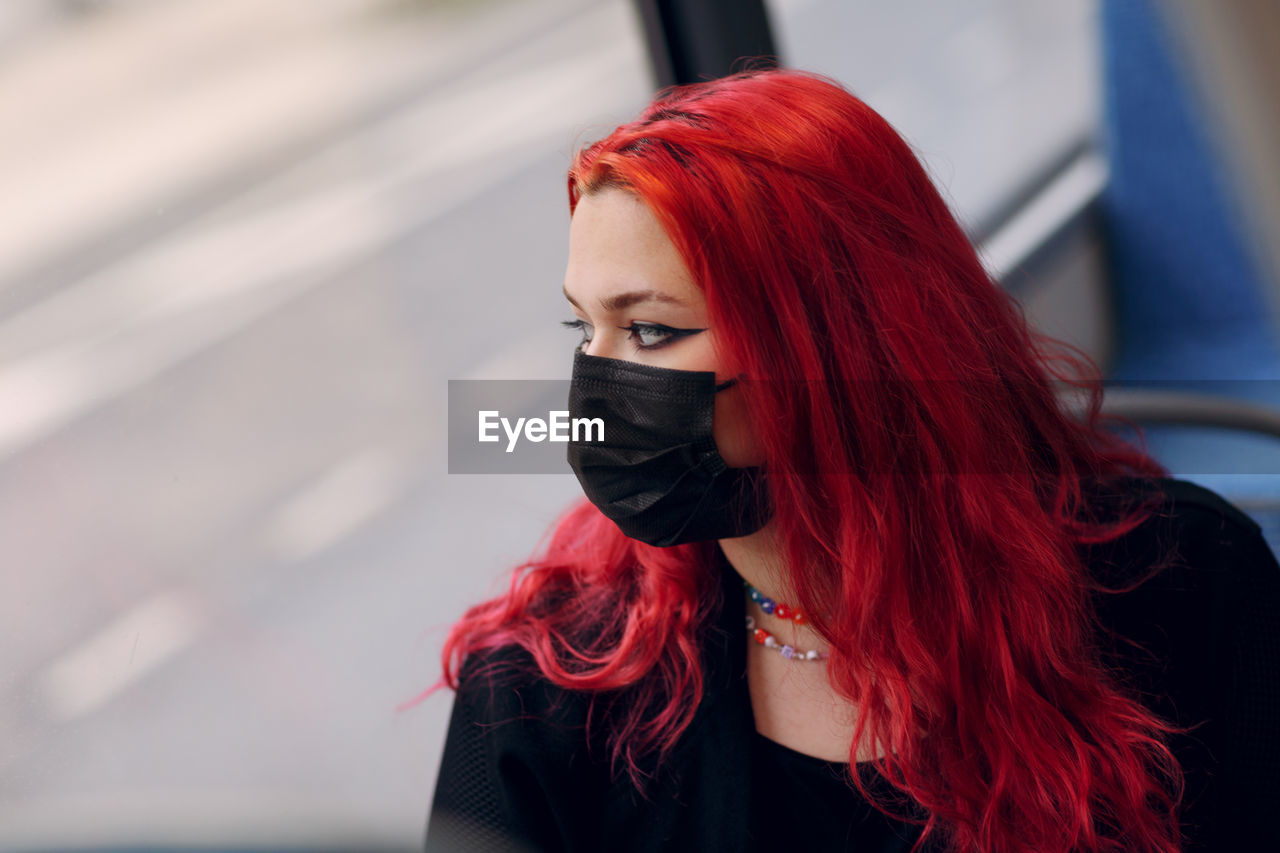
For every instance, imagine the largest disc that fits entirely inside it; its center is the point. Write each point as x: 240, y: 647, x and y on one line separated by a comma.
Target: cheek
x: 731, y: 429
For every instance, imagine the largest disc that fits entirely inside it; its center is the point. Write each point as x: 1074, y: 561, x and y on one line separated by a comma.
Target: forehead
x: 616, y: 242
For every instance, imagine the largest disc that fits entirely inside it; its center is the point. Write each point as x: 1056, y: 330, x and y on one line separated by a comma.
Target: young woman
x: 849, y: 577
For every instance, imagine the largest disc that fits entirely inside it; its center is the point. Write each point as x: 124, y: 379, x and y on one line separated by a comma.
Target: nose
x: 601, y: 347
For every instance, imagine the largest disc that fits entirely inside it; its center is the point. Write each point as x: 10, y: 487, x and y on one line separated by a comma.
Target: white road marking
x: 123, y: 327
x: 183, y: 299
x: 335, y: 506
x: 133, y: 644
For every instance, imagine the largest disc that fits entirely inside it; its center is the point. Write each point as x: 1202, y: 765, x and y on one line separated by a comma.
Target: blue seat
x: 1192, y: 313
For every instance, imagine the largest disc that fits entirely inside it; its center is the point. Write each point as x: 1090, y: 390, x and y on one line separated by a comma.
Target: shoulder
x: 1186, y: 499
x: 1186, y: 560
x: 516, y: 766
x: 1177, y: 499
x: 503, y: 692
x: 1190, y: 624
x: 1192, y: 533
x: 1169, y: 594
x: 528, y: 762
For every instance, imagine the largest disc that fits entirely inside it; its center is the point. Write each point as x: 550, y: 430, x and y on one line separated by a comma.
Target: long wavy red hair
x: 931, y: 532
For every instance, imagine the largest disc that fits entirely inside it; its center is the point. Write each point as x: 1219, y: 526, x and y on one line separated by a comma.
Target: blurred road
x: 236, y: 271
x: 224, y: 339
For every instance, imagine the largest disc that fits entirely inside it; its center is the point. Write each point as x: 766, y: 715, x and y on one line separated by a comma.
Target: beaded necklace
x: 782, y: 611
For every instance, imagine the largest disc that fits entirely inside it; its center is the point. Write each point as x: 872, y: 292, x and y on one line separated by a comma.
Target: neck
x: 760, y: 561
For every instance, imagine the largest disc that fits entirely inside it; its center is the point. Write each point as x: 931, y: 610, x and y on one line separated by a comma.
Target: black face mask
x: 657, y: 473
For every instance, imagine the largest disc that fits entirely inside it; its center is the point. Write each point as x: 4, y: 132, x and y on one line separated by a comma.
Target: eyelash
x: 636, y: 329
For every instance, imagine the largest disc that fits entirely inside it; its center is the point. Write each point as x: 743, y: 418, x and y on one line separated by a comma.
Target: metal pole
x: 692, y: 40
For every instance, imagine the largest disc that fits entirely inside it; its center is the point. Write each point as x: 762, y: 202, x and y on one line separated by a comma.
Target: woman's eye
x: 656, y: 335
x: 643, y: 335
x: 582, y: 326
x: 650, y: 335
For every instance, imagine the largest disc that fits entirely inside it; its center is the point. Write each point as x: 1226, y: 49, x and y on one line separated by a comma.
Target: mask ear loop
x: 727, y: 384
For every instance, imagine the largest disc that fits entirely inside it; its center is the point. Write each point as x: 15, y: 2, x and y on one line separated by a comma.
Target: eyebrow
x: 622, y: 301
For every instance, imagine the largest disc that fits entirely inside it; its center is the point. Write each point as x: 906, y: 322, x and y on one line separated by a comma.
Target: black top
x: 518, y: 773
x: 799, y: 802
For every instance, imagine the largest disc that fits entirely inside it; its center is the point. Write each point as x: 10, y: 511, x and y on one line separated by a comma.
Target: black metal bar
x: 692, y: 40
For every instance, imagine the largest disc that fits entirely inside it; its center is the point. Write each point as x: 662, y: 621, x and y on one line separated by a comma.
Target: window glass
x: 245, y: 246
x: 990, y: 92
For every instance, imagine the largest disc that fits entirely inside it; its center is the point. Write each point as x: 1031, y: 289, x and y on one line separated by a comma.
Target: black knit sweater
x: 518, y: 773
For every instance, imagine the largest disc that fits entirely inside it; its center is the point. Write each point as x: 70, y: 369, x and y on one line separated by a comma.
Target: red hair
x: 950, y: 589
